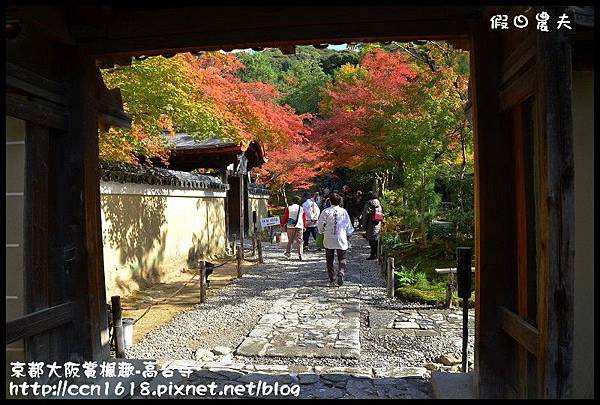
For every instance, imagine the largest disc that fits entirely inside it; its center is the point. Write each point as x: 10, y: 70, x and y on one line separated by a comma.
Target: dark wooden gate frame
x: 64, y: 229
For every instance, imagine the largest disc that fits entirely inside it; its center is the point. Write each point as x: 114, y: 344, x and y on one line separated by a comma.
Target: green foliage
x: 300, y: 77
x: 429, y: 296
x: 258, y: 67
x: 441, y: 230
x: 407, y: 276
x: 332, y: 62
x: 411, y: 276
x: 303, y: 84
x: 392, y: 202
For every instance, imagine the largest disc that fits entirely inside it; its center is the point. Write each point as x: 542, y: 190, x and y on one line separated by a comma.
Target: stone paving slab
x: 310, y: 382
x: 422, y: 322
x: 316, y: 322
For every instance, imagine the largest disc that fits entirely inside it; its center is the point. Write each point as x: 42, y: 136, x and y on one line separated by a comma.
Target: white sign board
x: 271, y: 221
x: 243, y: 164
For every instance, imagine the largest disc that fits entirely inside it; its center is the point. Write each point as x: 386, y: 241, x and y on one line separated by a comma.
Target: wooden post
x: 242, y: 219
x: 390, y: 277
x: 450, y: 289
x: 253, y: 245
x: 203, y: 282
x: 260, y: 253
x: 117, y: 315
x: 77, y: 219
x: 239, y: 261
x: 384, y: 261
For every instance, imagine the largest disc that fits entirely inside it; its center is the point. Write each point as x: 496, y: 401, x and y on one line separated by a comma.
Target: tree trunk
x: 423, y: 209
x: 463, y: 168
x: 285, y: 199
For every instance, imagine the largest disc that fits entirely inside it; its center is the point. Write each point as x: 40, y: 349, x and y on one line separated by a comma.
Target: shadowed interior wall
x: 583, y: 151
x: 151, y: 234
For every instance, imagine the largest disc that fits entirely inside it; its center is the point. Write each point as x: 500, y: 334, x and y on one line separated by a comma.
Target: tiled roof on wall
x: 128, y: 173
x: 258, y: 189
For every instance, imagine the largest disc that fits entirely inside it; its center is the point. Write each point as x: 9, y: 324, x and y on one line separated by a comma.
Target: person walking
x: 348, y: 205
x: 334, y: 224
x: 371, y: 221
x: 293, y: 222
x: 311, y: 208
x: 359, y: 205
x: 318, y: 199
x: 328, y: 204
x: 324, y: 199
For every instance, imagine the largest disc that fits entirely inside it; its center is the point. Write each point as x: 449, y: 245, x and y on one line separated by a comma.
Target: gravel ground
x: 227, y: 318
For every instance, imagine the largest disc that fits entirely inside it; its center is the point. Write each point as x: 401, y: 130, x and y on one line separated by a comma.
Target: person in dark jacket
x: 359, y: 205
x: 372, y: 227
x: 348, y: 201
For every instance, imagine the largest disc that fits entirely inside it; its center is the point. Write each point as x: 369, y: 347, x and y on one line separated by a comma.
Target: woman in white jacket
x: 294, y: 222
x: 334, y: 224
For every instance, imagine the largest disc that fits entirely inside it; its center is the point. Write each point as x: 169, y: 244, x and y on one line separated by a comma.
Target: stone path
x: 420, y: 322
x: 283, y: 322
x: 303, y: 382
x: 315, y: 322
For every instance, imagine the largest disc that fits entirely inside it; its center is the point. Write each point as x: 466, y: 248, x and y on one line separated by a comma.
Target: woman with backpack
x: 294, y: 221
x: 372, y: 217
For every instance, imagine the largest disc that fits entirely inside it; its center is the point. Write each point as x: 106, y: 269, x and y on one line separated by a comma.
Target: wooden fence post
x: 239, y: 261
x: 117, y: 315
x: 451, y: 288
x: 203, y: 282
x: 260, y: 252
x: 390, y: 277
x: 384, y: 262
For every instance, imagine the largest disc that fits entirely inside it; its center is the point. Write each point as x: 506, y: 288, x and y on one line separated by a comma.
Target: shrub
x: 441, y: 230
x: 410, y: 276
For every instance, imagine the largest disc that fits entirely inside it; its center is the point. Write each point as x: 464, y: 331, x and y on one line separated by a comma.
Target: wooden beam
x: 522, y: 235
x: 79, y: 207
x: 153, y: 32
x: 519, y: 58
x: 28, y: 82
x: 38, y: 279
x: 39, y: 322
x: 49, y: 20
x: 520, y: 330
x: 494, y: 217
x: 556, y: 214
x: 36, y: 110
x: 518, y: 90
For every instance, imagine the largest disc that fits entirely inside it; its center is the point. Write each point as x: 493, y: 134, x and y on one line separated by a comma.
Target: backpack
x: 376, y: 216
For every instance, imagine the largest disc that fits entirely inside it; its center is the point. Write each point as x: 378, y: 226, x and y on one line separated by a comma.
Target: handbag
x: 377, y: 216
x: 293, y: 222
x: 319, y: 241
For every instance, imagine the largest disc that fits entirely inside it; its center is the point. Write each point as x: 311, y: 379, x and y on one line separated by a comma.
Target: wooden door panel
x: 532, y: 102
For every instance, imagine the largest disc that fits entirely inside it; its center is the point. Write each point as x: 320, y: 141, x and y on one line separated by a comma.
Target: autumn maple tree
x: 397, y: 116
x: 204, y: 97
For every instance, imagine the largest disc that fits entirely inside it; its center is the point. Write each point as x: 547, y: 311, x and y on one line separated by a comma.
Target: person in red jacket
x: 294, y: 220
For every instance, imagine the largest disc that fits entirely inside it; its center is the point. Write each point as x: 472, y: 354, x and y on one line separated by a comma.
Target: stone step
x: 452, y: 385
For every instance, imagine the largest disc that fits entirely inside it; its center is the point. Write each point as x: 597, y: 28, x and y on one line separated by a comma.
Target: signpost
x: 242, y: 171
x: 463, y: 270
x: 270, y: 222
